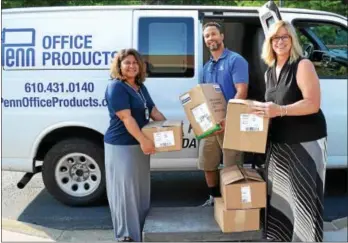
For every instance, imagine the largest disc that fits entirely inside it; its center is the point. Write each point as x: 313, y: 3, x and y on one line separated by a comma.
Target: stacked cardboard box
x: 205, y: 107
x: 166, y: 135
x: 244, y: 131
x: 243, y: 195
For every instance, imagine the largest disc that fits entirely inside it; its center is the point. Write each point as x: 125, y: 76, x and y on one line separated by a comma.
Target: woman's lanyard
x: 143, y: 100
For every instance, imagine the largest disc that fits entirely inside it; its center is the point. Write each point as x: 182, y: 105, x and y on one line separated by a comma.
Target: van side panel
x: 55, y: 70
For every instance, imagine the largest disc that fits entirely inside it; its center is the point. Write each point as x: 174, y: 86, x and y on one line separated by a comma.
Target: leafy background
x: 336, y: 6
x: 326, y: 33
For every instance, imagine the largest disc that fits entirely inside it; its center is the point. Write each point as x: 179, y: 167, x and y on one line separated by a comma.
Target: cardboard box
x: 205, y: 107
x: 166, y: 135
x: 236, y: 220
x: 244, y: 131
x: 242, y: 188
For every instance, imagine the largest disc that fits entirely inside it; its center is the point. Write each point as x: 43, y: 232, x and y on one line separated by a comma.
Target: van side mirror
x: 308, y: 49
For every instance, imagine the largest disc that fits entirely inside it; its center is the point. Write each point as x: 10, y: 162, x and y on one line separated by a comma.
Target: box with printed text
x: 166, y: 135
x: 244, y: 131
x: 205, y: 107
x: 242, y: 188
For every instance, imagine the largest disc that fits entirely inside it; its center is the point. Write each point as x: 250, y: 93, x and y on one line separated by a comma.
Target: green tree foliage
x: 337, y: 6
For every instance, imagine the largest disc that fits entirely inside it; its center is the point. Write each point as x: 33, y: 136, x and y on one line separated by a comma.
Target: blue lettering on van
x: 67, y: 42
x: 55, y: 87
x: 77, y: 58
x: 18, y: 47
x: 18, y: 57
x: 19, y: 50
x: 52, y: 102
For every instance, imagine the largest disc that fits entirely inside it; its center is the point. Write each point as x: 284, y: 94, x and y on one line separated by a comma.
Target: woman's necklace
x: 142, y: 98
x: 135, y: 87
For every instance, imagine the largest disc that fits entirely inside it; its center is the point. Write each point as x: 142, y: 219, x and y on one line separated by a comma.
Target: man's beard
x: 215, y: 47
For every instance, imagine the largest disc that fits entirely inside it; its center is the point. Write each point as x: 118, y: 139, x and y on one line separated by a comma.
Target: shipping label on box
x: 164, y: 139
x: 245, y: 194
x: 251, y: 123
x: 242, y: 188
x: 203, y: 117
x: 185, y: 99
x: 244, y: 131
x: 166, y: 135
x: 205, y: 107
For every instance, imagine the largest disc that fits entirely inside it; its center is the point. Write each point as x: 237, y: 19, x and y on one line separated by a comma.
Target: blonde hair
x: 269, y: 56
x: 115, y: 69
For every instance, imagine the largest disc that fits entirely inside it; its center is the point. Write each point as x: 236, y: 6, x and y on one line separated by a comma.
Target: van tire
x: 67, y: 153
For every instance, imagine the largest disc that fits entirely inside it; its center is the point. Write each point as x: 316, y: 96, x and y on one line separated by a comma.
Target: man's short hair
x: 215, y: 24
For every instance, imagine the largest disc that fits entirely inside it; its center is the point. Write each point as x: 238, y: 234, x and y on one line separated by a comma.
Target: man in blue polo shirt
x: 230, y: 71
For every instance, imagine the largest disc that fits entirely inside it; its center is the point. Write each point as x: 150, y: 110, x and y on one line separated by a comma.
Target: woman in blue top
x: 127, y: 150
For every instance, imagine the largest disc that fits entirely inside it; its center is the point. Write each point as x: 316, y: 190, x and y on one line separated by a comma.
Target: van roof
x: 163, y: 7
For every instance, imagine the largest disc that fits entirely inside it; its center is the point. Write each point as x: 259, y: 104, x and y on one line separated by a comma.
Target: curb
x: 328, y: 226
x: 9, y: 236
x: 30, y: 229
x: 340, y: 223
x: 57, y: 235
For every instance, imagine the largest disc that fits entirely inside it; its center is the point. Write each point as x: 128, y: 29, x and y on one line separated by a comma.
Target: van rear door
x: 167, y: 40
x: 269, y: 14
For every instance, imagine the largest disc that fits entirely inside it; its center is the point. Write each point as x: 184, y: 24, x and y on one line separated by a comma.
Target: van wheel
x: 73, y: 172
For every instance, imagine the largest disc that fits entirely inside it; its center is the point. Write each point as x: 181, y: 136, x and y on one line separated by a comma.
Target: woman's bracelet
x: 286, y: 110
x: 282, y: 108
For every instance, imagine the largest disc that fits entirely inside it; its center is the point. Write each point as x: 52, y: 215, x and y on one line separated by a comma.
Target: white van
x: 55, y: 67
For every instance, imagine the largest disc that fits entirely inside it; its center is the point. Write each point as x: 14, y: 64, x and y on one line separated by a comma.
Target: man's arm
x: 242, y: 91
x: 240, y: 75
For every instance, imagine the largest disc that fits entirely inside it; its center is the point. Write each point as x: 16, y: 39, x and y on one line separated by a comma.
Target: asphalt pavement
x: 32, y: 210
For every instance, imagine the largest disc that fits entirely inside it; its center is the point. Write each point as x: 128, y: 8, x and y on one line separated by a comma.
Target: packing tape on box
x: 158, y: 129
x: 239, y: 220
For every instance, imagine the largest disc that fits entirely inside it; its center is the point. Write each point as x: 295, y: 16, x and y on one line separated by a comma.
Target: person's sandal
x: 126, y: 239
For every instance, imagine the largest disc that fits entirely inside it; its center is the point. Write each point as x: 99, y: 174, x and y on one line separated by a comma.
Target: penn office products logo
x: 26, y: 48
x: 18, y: 47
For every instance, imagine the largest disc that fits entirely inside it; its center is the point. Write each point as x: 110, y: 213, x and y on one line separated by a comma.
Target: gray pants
x: 127, y: 171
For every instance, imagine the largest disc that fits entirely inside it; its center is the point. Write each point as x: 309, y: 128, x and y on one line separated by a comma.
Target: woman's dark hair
x: 115, y: 69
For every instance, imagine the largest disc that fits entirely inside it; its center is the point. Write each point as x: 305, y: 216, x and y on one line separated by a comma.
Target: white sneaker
x: 209, y: 202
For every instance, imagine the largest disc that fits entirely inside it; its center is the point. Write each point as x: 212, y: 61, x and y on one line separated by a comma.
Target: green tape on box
x: 209, y: 132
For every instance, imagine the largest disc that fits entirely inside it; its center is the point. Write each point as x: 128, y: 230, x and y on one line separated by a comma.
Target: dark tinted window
x: 167, y: 44
x: 325, y: 44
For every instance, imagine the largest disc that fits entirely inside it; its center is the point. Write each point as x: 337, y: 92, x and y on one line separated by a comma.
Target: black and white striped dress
x: 296, y: 176
x: 296, y: 164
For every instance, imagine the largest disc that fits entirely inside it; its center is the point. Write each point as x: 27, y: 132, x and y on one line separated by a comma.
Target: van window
x: 167, y: 45
x: 325, y: 44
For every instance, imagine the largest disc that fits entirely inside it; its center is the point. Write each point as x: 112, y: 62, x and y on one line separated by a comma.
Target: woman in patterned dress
x: 296, y: 161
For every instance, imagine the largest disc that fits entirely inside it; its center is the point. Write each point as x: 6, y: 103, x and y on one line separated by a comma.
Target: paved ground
x: 16, y: 231
x: 33, y: 211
